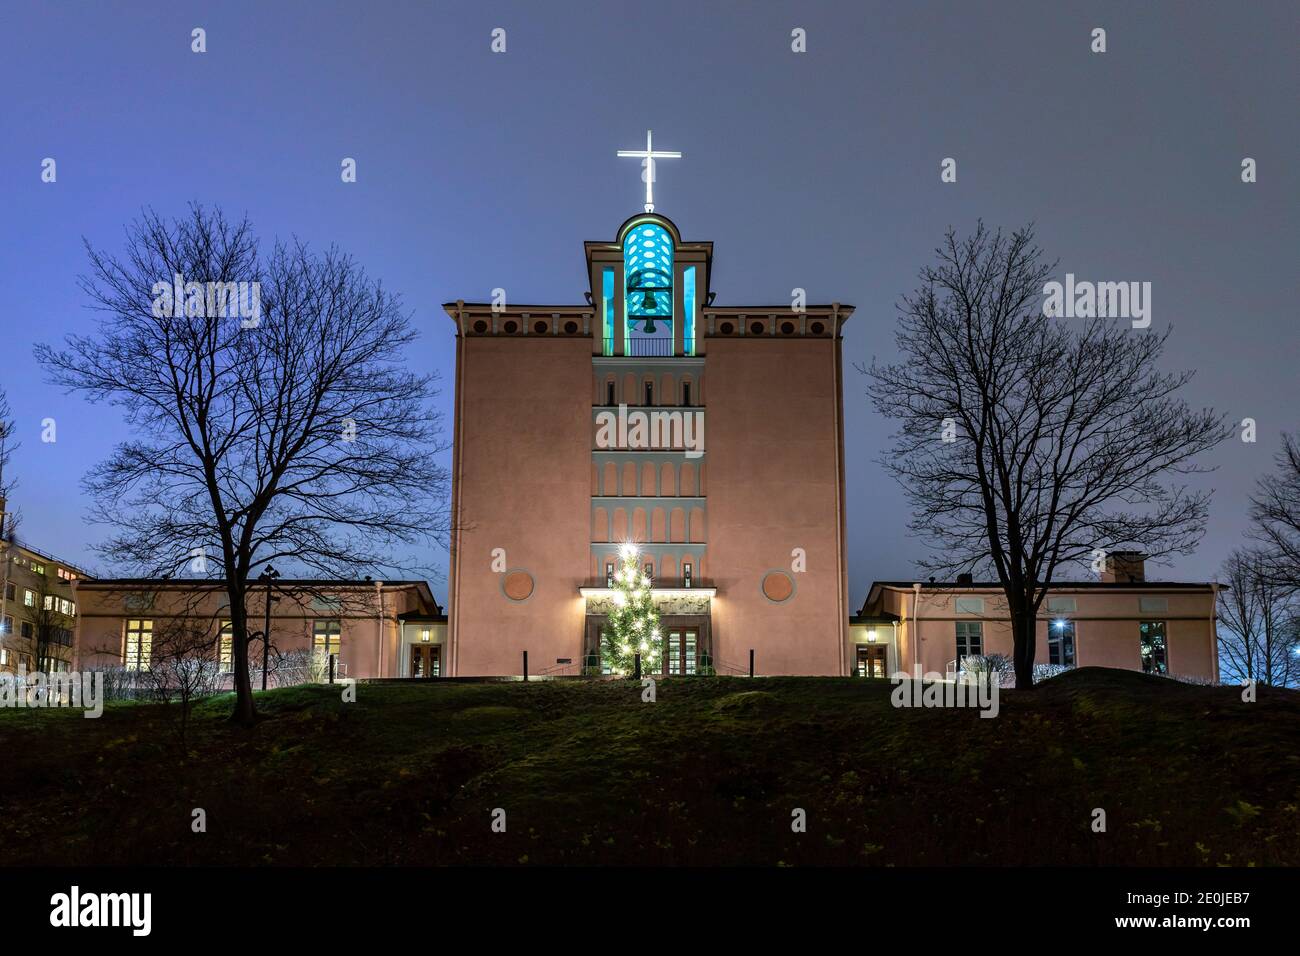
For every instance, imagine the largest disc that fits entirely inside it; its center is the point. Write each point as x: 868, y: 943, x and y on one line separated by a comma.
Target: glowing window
x: 607, y: 294
x: 648, y: 271
x: 688, y: 303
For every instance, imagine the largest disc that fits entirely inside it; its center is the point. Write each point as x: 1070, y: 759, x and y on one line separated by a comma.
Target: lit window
x: 226, y: 649
x: 325, y: 637
x: 688, y: 301
x: 49, y: 602
x: 686, y: 575
x: 607, y: 291
x: 37, y: 568
x: 1154, y: 649
x: 1060, y: 643
x: 29, y: 598
x: 139, y: 644
x: 609, y: 574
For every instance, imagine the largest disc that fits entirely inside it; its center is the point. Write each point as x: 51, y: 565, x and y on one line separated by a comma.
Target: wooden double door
x: 426, y: 660
x: 682, y: 650
x: 871, y: 660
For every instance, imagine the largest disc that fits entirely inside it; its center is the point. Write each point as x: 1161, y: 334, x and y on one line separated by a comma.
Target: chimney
x: 1124, y: 567
x: 965, y: 580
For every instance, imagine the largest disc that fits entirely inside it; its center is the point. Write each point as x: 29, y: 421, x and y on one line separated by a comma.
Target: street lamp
x: 267, y: 577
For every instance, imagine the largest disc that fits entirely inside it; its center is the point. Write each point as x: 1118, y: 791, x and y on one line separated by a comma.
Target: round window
x: 778, y: 587
x: 517, y: 585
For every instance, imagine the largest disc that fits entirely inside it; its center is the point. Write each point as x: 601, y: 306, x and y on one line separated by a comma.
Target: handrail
x: 646, y: 347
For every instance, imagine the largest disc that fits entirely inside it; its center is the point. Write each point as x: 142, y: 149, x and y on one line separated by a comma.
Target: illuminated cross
x: 648, y: 157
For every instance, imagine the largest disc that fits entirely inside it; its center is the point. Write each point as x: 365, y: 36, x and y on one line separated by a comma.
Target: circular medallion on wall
x: 517, y: 585
x: 777, y: 587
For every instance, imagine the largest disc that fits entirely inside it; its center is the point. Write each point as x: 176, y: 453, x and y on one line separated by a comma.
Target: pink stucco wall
x: 1106, y: 623
x: 522, y: 472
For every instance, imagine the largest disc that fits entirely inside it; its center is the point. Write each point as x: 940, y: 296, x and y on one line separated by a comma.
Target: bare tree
x: 1029, y: 444
x: 1275, y: 508
x: 8, y: 445
x: 1260, y: 617
x: 290, y: 432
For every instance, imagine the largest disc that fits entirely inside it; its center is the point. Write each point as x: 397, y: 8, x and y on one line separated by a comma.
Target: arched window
x: 648, y: 271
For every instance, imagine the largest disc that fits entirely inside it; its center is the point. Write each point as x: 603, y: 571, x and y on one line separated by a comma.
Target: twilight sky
x: 818, y: 170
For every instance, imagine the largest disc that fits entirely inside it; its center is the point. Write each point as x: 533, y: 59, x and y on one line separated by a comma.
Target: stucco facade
x: 737, y: 510
x: 373, y: 630
x: 1080, y: 624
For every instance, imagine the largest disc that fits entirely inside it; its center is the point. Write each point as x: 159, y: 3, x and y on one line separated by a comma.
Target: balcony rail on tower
x: 648, y: 347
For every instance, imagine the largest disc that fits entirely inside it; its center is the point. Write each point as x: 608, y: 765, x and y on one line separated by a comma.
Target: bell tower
x: 651, y: 289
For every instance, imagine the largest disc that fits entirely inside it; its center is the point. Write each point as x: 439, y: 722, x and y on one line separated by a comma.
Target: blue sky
x: 817, y: 170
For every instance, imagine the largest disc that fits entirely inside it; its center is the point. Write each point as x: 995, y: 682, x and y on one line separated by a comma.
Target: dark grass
x: 709, y: 774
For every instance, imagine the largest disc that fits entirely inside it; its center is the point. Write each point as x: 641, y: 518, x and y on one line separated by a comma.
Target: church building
x: 649, y: 431
x: 707, y: 437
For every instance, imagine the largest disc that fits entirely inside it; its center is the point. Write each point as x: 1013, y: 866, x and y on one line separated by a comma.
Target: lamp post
x: 267, y: 577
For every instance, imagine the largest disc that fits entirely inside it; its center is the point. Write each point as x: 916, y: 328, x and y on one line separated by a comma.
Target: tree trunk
x: 245, y: 713
x: 1024, y: 628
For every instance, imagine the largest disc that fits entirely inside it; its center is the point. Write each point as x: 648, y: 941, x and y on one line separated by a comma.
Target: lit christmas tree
x: 632, y: 627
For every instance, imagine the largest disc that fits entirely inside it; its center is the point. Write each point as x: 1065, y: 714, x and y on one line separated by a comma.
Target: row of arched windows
x: 652, y: 525
x: 669, y: 479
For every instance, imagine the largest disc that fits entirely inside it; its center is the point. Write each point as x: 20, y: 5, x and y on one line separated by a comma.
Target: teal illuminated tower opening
x: 607, y: 303
x: 688, y: 304
x: 648, y: 275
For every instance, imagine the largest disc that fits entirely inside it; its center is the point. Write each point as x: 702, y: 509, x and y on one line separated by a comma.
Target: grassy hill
x: 709, y: 774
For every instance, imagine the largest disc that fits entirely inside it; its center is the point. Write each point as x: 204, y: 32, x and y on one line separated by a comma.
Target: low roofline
x: 1055, y: 586
x: 885, y: 618
x: 254, y: 583
x: 214, y: 584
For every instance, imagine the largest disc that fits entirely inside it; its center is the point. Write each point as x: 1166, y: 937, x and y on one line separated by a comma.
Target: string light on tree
x: 632, y: 627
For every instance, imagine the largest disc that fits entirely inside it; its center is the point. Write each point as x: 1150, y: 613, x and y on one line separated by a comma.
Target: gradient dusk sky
x: 817, y: 170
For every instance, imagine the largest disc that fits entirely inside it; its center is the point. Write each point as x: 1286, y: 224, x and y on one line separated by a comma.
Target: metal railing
x: 648, y: 347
